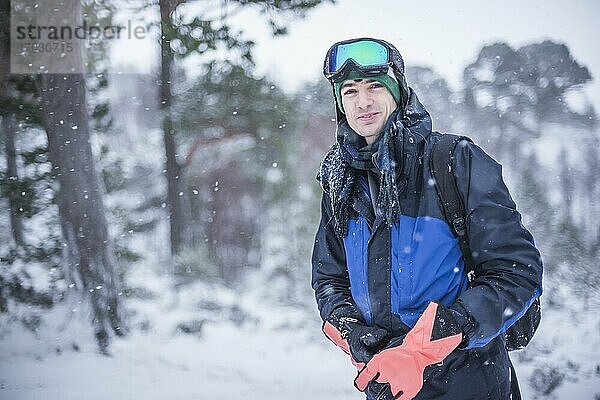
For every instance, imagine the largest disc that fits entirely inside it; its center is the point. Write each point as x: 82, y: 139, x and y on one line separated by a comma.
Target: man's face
x: 367, y: 104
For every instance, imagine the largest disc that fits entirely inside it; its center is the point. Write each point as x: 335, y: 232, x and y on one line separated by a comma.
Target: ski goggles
x: 366, y: 55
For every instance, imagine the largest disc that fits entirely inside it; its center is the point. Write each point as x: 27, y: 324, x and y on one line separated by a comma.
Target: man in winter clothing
x: 389, y: 276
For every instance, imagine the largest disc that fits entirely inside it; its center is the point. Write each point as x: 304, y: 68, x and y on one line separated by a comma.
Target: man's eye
x: 376, y: 85
x: 349, y: 92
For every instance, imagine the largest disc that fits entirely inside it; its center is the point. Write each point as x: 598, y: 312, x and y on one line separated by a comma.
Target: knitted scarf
x: 341, y: 165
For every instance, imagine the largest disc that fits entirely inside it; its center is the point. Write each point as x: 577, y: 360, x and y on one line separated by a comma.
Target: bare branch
x: 201, y: 142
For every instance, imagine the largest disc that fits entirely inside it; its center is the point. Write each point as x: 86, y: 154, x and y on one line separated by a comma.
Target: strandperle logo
x: 53, y: 36
x: 82, y: 32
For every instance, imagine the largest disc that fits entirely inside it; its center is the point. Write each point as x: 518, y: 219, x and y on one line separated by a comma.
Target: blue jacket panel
x: 426, y: 265
x: 356, y: 244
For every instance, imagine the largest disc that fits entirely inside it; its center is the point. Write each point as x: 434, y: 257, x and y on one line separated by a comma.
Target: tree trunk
x: 4, y: 44
x: 172, y: 166
x: 9, y: 127
x: 90, y: 258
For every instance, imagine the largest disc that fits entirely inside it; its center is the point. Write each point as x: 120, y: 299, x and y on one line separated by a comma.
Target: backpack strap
x: 441, y: 166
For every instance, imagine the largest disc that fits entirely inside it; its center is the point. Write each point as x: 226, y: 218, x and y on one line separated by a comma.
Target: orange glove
x: 402, y: 367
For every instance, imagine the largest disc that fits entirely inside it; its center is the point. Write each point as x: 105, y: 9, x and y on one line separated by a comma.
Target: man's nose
x: 364, y: 99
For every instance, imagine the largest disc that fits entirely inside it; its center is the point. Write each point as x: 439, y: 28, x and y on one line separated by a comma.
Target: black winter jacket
x: 390, y: 272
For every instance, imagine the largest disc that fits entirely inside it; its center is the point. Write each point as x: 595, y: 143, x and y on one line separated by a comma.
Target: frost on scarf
x: 337, y: 180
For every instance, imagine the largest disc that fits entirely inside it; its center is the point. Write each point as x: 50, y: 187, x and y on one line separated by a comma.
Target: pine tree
x: 182, y: 35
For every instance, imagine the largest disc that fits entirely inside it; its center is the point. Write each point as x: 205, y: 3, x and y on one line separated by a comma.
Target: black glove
x: 362, y: 341
x: 379, y: 391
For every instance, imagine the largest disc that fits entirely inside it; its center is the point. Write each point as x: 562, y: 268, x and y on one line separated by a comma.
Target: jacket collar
x: 416, y: 118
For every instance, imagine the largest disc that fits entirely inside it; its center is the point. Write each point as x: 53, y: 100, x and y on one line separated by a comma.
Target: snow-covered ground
x: 224, y: 364
x: 247, y: 347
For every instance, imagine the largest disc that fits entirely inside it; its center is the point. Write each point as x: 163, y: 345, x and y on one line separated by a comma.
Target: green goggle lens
x: 365, y: 53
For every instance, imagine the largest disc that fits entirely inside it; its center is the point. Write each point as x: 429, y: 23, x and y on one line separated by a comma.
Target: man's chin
x: 369, y: 136
x: 370, y: 133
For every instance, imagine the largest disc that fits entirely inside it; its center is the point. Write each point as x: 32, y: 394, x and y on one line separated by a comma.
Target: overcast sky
x: 444, y: 35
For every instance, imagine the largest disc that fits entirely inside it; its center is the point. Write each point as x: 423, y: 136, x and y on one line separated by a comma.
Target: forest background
x: 163, y: 221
